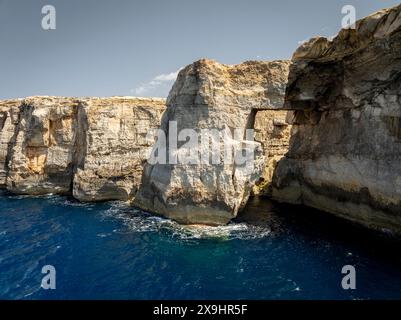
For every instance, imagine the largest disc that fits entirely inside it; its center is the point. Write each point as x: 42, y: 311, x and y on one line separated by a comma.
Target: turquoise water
x: 111, y: 251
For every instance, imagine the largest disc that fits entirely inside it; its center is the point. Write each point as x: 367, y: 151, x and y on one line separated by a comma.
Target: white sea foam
x: 139, y: 221
x: 136, y: 220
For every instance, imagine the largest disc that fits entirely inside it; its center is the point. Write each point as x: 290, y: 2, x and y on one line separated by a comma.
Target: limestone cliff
x: 345, y: 148
x: 41, y: 157
x: 340, y: 153
x: 96, y: 148
x: 114, y: 149
x: 210, y: 95
x: 273, y: 131
x: 93, y: 147
x: 9, y: 111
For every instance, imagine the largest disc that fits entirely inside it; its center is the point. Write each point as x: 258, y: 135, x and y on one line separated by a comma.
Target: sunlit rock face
x: 93, y: 148
x: 345, y: 148
x: 41, y: 159
x: 273, y: 131
x: 9, y: 117
x: 210, y: 95
x: 96, y: 148
x: 114, y: 146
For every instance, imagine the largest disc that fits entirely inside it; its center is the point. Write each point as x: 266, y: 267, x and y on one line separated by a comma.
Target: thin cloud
x: 303, y: 41
x: 160, y: 81
x: 167, y: 77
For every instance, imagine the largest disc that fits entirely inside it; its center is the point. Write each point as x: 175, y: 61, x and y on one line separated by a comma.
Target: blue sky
x: 128, y: 47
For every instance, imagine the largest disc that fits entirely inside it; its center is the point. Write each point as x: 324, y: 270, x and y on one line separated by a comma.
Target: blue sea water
x: 112, y: 251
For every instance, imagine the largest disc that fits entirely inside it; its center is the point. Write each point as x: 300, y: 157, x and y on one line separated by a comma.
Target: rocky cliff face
x: 273, y: 131
x: 96, y: 148
x: 341, y: 153
x: 209, y: 95
x: 345, y: 148
x: 114, y: 148
x: 9, y: 111
x: 93, y: 148
x: 41, y: 156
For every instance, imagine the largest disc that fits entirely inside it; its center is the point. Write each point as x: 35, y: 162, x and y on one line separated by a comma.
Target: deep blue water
x: 111, y: 251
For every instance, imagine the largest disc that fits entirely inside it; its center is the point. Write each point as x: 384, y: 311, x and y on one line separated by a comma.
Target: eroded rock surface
x: 42, y: 155
x: 273, y: 131
x: 209, y: 95
x: 345, y: 148
x: 9, y: 118
x: 93, y: 148
x: 96, y: 148
x: 114, y: 148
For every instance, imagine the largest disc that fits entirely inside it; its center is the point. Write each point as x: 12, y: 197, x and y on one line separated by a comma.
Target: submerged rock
x: 210, y: 95
x: 345, y: 148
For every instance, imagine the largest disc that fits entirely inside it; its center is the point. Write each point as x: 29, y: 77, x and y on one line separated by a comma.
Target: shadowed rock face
x: 345, y: 148
x: 209, y: 95
x: 93, y: 148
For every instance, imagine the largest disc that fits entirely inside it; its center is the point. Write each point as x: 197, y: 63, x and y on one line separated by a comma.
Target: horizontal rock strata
x: 345, y: 148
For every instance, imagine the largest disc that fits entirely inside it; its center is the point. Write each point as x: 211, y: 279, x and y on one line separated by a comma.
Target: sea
x: 111, y: 250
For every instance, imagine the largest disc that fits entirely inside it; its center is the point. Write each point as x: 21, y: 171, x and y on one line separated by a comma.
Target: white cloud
x: 167, y: 77
x: 303, y: 41
x: 161, y: 80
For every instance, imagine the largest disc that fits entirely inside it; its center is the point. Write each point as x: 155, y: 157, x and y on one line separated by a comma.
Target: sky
x: 135, y: 48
